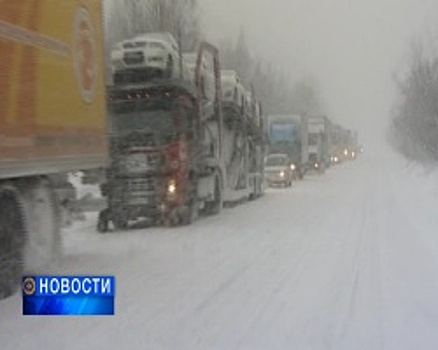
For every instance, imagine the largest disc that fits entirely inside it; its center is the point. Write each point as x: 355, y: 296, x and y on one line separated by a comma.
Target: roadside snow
x: 82, y: 190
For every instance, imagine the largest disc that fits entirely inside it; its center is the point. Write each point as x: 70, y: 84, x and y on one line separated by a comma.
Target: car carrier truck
x: 52, y: 121
x: 175, y: 153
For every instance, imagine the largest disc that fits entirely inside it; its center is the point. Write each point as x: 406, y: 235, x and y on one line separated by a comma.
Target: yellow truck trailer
x: 52, y: 121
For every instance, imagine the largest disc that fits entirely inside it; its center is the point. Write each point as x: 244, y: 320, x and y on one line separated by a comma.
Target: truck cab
x: 153, y: 147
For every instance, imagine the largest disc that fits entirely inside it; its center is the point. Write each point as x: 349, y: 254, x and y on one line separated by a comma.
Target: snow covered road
x: 348, y: 260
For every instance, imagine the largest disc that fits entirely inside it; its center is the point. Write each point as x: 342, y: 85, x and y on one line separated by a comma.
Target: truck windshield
x: 283, y: 133
x: 276, y: 161
x: 165, y: 121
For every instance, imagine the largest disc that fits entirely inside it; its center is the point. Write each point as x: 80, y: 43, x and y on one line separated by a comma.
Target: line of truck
x: 163, y: 147
x: 311, y: 142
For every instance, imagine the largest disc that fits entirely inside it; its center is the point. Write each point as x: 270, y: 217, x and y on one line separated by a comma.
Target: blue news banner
x: 68, y: 295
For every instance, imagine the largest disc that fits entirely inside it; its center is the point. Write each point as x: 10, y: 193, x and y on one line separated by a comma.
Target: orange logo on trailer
x: 85, y: 55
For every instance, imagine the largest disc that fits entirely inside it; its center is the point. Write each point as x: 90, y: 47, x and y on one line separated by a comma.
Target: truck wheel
x: 215, y: 206
x: 191, y: 213
x: 43, y: 224
x: 255, y: 192
x: 119, y: 221
x: 103, y: 221
x: 172, y: 219
x: 12, y: 242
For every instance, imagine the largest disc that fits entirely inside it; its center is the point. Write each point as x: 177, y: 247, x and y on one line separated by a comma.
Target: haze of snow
x: 353, y: 48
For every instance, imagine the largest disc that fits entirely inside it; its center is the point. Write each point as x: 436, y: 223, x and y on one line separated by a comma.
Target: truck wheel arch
x: 13, y: 235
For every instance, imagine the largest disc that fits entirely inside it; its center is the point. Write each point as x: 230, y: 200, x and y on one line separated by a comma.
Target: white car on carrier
x: 154, y: 53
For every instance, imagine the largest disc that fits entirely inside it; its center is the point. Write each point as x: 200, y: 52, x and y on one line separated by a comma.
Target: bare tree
x: 414, y: 130
x: 131, y: 17
x: 127, y: 18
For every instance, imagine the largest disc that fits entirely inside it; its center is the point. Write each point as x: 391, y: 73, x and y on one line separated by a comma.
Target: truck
x: 348, y: 144
x: 175, y: 153
x: 288, y: 134
x: 245, y: 140
x: 52, y: 121
x: 337, y: 149
x: 319, y: 142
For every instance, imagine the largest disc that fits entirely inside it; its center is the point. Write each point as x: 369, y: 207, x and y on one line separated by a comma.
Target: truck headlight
x: 292, y: 167
x: 316, y: 165
x: 171, y: 187
x: 346, y: 152
x: 282, y: 174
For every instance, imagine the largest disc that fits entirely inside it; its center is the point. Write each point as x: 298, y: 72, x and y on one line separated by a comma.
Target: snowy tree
x: 127, y: 18
x: 179, y: 17
x: 414, y: 130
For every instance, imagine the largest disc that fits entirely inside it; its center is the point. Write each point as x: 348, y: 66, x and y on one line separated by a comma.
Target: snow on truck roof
x: 156, y: 84
x: 152, y: 37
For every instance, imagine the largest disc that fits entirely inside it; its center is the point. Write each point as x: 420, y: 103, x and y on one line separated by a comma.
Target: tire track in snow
x: 361, y: 329
x: 226, y: 296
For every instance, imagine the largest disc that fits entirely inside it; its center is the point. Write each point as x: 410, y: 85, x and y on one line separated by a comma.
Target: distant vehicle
x: 349, y: 144
x: 336, y: 153
x: 288, y: 134
x: 319, y: 143
x: 151, y: 53
x: 279, y: 170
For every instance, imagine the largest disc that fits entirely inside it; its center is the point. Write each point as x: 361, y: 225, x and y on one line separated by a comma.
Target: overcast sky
x: 353, y: 47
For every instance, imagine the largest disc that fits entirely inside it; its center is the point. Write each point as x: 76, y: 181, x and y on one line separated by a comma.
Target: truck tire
x: 43, y: 225
x: 119, y: 221
x: 215, y: 206
x: 12, y: 241
x: 190, y: 214
x: 103, y: 221
x: 255, y: 192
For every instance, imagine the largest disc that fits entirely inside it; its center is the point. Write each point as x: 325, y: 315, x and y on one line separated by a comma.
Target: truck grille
x: 140, y: 187
x: 140, y: 192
